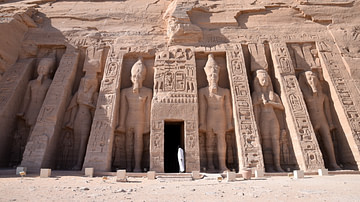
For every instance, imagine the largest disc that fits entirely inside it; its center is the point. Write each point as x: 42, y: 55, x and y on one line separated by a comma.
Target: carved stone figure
x: 319, y: 110
x: 82, y: 106
x: 135, y: 103
x: 265, y: 101
x: 36, y: 92
x: 215, y: 114
x: 67, y: 147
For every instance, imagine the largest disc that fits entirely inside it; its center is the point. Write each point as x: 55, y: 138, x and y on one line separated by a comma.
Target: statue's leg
x: 221, y: 149
x: 138, y: 149
x: 329, y: 147
x: 84, y: 132
x: 210, y: 150
x: 266, y: 145
x: 129, y: 149
x: 275, y: 136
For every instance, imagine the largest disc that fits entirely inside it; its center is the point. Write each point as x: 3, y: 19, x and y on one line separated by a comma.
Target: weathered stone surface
x: 203, y: 61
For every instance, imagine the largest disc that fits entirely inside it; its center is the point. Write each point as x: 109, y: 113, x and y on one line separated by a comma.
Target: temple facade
x: 123, y: 85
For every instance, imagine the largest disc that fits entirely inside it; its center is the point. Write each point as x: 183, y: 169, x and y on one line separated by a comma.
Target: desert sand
x: 275, y: 188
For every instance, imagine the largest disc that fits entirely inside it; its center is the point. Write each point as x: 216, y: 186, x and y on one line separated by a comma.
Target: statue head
x: 312, y: 80
x: 263, y: 77
x: 212, y: 73
x: 262, y: 81
x: 45, y: 66
x: 138, y: 73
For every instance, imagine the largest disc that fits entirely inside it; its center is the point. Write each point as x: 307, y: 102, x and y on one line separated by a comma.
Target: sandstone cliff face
x: 93, y: 45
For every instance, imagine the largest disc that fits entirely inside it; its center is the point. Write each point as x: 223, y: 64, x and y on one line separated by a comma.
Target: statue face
x: 138, y: 72
x: 44, y: 67
x: 312, y: 80
x: 263, y: 78
x: 213, y: 78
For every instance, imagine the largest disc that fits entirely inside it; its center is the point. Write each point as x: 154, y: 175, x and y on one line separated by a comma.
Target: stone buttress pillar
x: 12, y: 89
x: 39, y: 151
x: 306, y: 148
x: 99, y: 149
x: 344, y: 94
x: 247, y: 136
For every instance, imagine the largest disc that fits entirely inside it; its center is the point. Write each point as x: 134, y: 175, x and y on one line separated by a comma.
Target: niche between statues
x: 137, y: 68
x: 316, y: 92
x: 269, y: 111
x: 47, y: 61
x: 206, y: 64
x: 80, y: 109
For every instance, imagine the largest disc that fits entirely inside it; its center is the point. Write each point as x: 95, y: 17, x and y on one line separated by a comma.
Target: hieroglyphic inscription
x: 342, y: 95
x: 297, y: 117
x: 175, y: 76
x: 101, y: 138
x: 157, y: 145
x: 247, y: 136
x: 49, y: 118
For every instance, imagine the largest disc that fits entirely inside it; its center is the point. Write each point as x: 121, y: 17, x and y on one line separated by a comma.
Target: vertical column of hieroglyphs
x: 175, y: 98
x: 99, y: 149
x: 12, y: 89
x: 38, y: 151
x: 157, y: 146
x: 247, y: 137
x: 302, y: 134
x: 344, y: 95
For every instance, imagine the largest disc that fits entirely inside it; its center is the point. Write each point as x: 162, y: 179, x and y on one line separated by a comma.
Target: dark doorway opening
x: 174, y: 137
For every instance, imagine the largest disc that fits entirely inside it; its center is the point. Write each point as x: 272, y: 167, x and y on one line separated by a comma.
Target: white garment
x: 181, y: 159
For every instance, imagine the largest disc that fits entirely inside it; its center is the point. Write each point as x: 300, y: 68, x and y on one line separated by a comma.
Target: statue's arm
x: 202, y: 111
x: 328, y: 112
x: 148, y: 112
x: 94, y: 102
x: 72, y: 107
x: 256, y: 106
x: 228, y: 110
x: 123, y: 111
x: 26, y: 101
x: 278, y: 104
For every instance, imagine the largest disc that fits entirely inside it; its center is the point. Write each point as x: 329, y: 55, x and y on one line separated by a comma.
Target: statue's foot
x: 211, y: 169
x: 279, y: 169
x: 270, y: 169
x: 334, y: 167
x: 137, y: 170
x: 76, y: 167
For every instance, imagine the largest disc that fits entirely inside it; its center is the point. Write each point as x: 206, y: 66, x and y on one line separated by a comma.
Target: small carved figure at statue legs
x: 210, y: 141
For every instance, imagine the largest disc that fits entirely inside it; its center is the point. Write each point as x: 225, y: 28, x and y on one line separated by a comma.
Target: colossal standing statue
x: 215, y: 114
x: 36, y: 92
x: 135, y: 103
x: 319, y: 110
x: 265, y: 101
x: 82, y: 106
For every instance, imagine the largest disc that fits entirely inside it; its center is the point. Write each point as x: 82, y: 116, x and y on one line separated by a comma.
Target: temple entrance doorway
x: 174, y: 137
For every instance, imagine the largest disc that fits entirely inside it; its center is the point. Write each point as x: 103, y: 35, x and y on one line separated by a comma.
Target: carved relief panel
x: 216, y: 127
x: 33, y: 98
x: 344, y: 95
x: 306, y: 148
x: 80, y: 110
x: 174, y: 100
x: 247, y: 137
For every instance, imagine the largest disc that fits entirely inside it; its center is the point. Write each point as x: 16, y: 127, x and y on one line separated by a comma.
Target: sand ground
x: 275, y: 188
